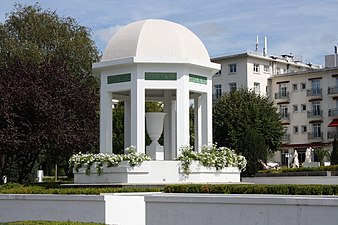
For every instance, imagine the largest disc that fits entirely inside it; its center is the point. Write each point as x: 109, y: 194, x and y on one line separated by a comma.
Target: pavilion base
x: 156, y: 172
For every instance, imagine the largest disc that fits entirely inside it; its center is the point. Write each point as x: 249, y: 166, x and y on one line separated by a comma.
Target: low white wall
x: 84, y: 208
x: 206, y: 209
x: 168, y: 209
x: 117, y: 208
x: 292, y: 180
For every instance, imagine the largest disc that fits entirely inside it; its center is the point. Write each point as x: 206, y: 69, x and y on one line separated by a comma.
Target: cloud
x: 105, y: 34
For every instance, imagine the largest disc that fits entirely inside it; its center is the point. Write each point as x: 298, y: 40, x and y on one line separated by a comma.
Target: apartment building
x: 252, y: 70
x: 306, y: 95
x: 308, y: 104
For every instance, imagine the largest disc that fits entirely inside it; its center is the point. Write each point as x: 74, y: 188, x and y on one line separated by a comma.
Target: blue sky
x: 306, y: 28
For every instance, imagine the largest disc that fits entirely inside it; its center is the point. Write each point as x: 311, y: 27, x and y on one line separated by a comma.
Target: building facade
x: 308, y: 105
x: 305, y: 95
x: 252, y: 70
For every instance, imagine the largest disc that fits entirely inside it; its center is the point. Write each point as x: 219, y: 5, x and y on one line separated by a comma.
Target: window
x: 283, y: 90
x: 295, y: 108
x: 233, y: 86
x: 233, y: 68
x: 284, y: 111
x: 295, y: 87
x: 303, y: 107
x: 257, y: 88
x: 266, y: 69
x: 295, y: 129
x: 304, y: 129
x: 303, y: 86
x: 316, y: 108
x: 315, y: 86
x: 218, y: 90
x: 317, y: 131
x: 256, y: 68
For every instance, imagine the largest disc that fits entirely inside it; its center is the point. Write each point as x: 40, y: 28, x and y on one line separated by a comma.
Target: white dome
x: 155, y: 39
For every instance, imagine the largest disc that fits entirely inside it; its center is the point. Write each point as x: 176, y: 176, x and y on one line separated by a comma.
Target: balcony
x: 332, y: 90
x: 314, y: 92
x: 282, y: 95
x: 314, y: 114
x: 284, y: 116
x: 333, y: 112
x: 315, y: 136
x: 331, y: 134
x: 286, y: 138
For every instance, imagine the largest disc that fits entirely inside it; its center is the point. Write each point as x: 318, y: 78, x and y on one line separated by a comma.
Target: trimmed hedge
x: 41, y: 222
x: 13, y: 188
x: 301, y: 169
x: 283, y: 189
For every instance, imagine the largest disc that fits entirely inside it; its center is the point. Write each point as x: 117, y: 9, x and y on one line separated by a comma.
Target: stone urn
x: 154, y: 121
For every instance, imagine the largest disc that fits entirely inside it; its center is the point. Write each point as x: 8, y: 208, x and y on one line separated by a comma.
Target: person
x: 295, y: 160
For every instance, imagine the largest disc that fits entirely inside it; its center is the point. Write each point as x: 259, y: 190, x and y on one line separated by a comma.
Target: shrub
x: 284, y: 189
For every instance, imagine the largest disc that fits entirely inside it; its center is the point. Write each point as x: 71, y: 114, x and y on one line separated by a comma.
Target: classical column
x: 106, y: 122
x: 126, y: 123
x: 198, y: 122
x: 183, y: 134
x: 137, y: 115
x: 167, y: 125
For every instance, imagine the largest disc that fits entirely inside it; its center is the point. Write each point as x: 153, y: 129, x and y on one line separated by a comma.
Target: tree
x: 48, y: 98
x: 321, y: 154
x: 239, y: 111
x: 253, y: 148
x: 334, y: 153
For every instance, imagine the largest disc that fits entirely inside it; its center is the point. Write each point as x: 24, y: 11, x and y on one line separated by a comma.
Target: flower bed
x: 211, y: 157
x: 87, y: 160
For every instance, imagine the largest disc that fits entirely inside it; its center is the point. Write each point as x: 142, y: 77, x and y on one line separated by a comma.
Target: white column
x: 183, y: 134
x: 173, y: 130
x: 206, y: 101
x: 198, y: 123
x: 106, y: 122
x: 137, y: 137
x: 126, y: 124
x: 167, y: 125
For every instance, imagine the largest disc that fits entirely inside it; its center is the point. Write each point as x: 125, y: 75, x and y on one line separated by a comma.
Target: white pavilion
x: 161, y: 61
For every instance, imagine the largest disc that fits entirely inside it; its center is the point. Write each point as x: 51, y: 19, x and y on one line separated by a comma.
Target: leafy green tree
x: 253, y: 148
x: 334, y: 153
x: 48, y: 98
x: 237, y: 112
x: 321, y: 154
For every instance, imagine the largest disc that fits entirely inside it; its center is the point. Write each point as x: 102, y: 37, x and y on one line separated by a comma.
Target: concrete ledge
x: 201, y: 209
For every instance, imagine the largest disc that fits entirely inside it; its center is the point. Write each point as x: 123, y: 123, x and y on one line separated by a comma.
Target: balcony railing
x: 286, y: 138
x: 331, y: 134
x: 284, y: 116
x: 314, y: 92
x: 333, y: 112
x: 314, y: 113
x: 282, y: 95
x: 332, y: 90
x: 315, y: 135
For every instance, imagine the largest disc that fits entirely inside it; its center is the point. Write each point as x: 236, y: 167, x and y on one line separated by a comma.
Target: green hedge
x: 12, y: 188
x: 284, y: 189
x: 301, y: 169
x: 40, y: 222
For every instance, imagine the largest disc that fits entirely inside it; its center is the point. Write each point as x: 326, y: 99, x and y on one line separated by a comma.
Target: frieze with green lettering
x: 160, y: 76
x: 197, y: 79
x: 120, y: 78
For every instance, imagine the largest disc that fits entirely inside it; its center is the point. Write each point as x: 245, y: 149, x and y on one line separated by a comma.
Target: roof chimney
x: 265, y: 49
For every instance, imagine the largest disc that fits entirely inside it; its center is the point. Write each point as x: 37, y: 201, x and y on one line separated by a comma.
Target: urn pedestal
x: 154, y: 122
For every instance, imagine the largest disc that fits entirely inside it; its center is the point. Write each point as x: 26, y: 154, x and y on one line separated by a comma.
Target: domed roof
x: 155, y: 40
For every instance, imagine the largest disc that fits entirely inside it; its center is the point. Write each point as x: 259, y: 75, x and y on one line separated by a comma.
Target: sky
x: 304, y: 28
